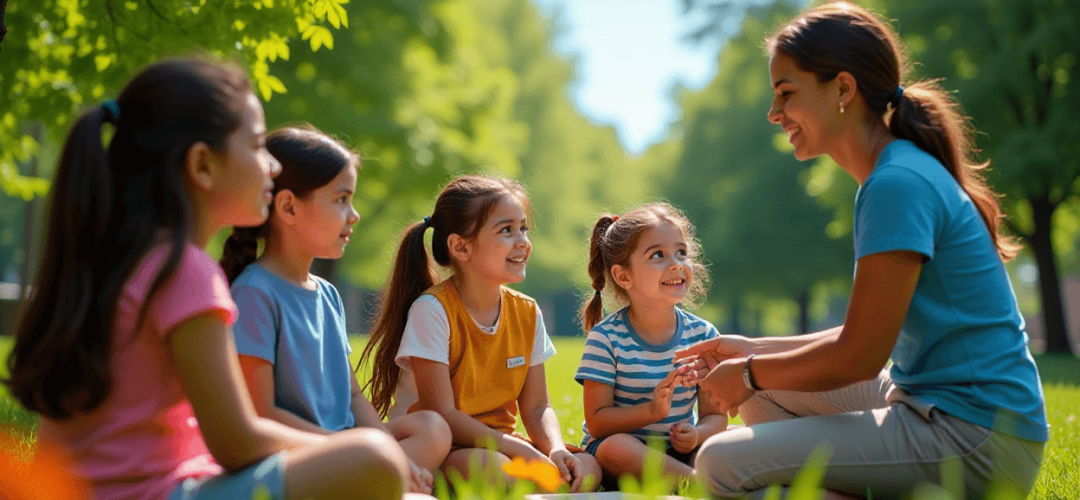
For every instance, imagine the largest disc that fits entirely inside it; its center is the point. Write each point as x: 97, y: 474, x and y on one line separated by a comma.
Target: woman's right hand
x: 705, y: 355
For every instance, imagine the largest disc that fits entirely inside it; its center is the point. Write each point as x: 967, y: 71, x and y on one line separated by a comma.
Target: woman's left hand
x: 724, y: 388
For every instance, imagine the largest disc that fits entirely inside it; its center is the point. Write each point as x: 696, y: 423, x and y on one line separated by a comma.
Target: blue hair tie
x: 427, y: 221
x: 899, y: 94
x: 112, y: 111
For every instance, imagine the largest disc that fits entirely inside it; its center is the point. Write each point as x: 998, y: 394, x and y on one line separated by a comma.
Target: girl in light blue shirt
x: 291, y: 333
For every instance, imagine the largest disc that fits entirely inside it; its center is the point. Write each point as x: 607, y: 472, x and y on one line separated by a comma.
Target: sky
x: 630, y: 55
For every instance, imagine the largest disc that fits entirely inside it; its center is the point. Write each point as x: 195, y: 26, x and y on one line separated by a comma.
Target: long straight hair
x: 462, y: 208
x: 309, y: 160
x: 106, y: 211
x: 842, y: 36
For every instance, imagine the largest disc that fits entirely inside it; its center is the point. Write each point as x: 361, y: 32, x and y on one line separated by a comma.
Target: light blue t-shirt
x: 616, y: 355
x: 963, y: 347
x: 302, y: 332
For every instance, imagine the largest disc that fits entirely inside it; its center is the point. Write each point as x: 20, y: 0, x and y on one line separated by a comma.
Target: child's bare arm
x: 537, y: 415
x: 711, y: 420
x: 436, y: 394
x: 259, y: 376
x: 605, y: 419
x: 363, y: 411
x: 204, y: 354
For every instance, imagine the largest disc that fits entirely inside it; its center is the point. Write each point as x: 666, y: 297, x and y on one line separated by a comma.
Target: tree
x: 63, y: 55
x: 410, y: 89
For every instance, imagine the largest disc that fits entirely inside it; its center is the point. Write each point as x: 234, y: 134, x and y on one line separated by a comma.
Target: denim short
x: 262, y: 481
x: 686, y: 458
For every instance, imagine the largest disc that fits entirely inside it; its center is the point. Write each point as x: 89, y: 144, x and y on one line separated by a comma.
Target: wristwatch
x: 747, y: 377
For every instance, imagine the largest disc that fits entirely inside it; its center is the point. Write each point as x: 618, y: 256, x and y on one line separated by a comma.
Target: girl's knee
x: 591, y: 470
x: 434, y: 426
x: 619, y: 449
x: 373, y: 450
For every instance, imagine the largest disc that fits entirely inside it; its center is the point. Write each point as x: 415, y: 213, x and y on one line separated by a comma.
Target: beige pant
x: 882, y: 441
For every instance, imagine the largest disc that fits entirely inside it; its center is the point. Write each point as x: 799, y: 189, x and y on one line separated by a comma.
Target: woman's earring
x: 841, y: 107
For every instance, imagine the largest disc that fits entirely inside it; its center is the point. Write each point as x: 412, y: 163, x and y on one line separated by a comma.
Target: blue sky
x: 630, y: 55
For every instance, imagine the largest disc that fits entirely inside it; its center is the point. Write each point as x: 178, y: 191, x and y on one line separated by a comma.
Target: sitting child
x: 633, y: 391
x: 291, y: 337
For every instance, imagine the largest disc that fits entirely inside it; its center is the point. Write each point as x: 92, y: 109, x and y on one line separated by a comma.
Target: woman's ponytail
x: 593, y: 311
x: 241, y: 249
x: 412, y: 274
x: 927, y: 116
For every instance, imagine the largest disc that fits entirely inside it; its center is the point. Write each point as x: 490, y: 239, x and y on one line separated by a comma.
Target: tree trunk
x: 1057, y: 336
x: 326, y: 269
x: 3, y: 27
x: 30, y: 254
x: 803, y: 299
x: 733, y: 320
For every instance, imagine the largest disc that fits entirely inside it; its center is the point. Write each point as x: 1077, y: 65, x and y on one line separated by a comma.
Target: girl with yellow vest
x: 468, y: 347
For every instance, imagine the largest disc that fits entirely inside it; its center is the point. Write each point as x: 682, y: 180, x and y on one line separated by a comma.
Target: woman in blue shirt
x: 930, y: 292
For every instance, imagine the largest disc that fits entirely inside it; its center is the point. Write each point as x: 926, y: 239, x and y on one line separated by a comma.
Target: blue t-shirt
x: 302, y: 332
x: 963, y: 347
x: 616, y: 355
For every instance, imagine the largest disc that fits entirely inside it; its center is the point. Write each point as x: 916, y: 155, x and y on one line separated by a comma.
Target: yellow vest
x: 487, y: 372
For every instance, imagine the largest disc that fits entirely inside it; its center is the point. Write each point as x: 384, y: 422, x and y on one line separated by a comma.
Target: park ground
x: 1059, y: 477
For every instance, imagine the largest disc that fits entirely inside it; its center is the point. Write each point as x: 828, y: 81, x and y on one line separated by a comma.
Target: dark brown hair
x: 106, y: 211
x: 309, y: 160
x: 842, y: 36
x: 614, y: 239
x: 462, y: 208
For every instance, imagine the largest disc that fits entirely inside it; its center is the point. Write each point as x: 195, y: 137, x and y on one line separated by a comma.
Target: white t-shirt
x: 427, y: 336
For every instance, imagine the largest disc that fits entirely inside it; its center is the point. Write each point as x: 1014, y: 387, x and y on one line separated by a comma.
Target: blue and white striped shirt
x: 616, y: 355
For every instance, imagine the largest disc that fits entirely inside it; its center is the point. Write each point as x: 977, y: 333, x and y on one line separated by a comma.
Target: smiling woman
x: 930, y: 292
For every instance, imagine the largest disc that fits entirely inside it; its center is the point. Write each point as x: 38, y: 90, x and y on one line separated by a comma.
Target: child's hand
x: 660, y: 406
x: 684, y: 437
x: 570, y: 468
x: 420, y: 479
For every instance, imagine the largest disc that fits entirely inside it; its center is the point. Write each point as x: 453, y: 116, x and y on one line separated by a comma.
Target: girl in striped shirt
x: 633, y: 392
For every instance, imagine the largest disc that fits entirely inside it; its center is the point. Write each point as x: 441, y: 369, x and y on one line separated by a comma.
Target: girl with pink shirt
x: 125, y: 350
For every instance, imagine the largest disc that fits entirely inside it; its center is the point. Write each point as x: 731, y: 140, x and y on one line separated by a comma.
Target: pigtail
x: 46, y: 378
x: 412, y: 274
x: 927, y: 116
x: 593, y: 310
x: 240, y: 250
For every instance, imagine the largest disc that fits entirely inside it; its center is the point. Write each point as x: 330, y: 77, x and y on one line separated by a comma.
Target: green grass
x: 1059, y: 477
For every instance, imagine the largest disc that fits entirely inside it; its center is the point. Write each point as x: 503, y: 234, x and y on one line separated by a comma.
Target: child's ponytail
x: 106, y: 212
x: 412, y: 274
x: 241, y: 249
x: 927, y: 116
x: 593, y: 311
x: 82, y: 191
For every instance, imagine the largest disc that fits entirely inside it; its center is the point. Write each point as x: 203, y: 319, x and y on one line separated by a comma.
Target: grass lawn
x: 1059, y: 477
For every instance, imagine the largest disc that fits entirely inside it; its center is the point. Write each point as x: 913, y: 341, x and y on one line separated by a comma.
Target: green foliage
x: 64, y: 55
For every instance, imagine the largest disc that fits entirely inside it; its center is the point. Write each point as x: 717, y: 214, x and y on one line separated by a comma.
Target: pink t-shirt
x: 144, y: 440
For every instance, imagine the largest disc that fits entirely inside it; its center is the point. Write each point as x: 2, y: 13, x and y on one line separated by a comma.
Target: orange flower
x: 544, y: 475
x: 46, y: 476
